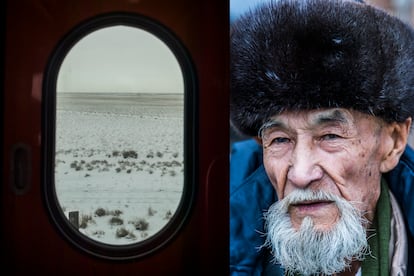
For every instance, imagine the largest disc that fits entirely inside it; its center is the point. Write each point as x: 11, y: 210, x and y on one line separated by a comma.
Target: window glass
x: 119, y: 135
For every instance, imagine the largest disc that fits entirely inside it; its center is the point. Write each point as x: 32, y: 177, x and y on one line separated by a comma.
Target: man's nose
x: 304, y: 166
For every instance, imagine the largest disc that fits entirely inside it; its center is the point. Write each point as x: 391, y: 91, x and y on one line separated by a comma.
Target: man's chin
x: 316, y: 246
x: 323, y: 215
x: 318, y: 225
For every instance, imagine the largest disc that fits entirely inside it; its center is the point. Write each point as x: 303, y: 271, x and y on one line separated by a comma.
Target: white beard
x: 308, y: 251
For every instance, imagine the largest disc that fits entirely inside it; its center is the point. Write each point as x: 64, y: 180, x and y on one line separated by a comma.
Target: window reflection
x: 119, y: 169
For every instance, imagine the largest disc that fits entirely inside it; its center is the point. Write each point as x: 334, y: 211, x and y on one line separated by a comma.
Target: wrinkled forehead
x: 345, y: 118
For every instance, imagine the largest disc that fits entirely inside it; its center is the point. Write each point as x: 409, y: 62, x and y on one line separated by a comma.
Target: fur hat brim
x: 310, y: 54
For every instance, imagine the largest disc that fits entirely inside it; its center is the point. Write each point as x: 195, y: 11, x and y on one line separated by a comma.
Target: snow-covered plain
x: 119, y: 162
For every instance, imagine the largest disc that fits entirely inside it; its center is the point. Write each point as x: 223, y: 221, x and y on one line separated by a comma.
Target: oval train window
x: 119, y: 138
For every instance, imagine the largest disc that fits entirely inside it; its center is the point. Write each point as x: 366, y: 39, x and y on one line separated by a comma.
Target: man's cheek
x: 276, y: 176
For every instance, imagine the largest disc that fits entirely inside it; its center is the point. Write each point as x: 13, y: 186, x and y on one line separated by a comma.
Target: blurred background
x: 404, y: 9
x: 401, y: 8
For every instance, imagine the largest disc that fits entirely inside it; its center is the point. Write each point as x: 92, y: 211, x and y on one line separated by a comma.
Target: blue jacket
x: 251, y: 193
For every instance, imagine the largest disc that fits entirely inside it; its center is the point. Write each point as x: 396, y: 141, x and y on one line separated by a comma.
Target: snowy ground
x: 119, y: 162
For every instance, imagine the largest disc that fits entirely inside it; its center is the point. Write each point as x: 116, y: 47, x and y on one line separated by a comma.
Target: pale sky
x: 238, y: 7
x: 120, y: 59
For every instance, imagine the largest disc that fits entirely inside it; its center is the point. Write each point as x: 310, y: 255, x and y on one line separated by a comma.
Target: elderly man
x: 327, y: 87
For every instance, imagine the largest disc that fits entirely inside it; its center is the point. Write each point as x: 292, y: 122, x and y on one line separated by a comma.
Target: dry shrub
x: 100, y: 212
x: 151, y: 211
x: 116, y: 212
x: 116, y: 221
x: 129, y: 154
x: 141, y: 224
x: 121, y: 232
x: 85, y: 220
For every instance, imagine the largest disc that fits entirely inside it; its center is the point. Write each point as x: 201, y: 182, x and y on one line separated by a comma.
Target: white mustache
x: 303, y: 196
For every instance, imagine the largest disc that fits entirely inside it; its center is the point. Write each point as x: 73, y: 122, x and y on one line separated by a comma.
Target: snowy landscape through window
x: 119, y: 161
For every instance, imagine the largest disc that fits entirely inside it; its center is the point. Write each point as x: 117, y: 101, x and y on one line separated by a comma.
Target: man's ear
x: 397, y: 138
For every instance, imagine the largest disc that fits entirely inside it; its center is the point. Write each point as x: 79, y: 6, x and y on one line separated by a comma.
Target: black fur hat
x: 310, y: 54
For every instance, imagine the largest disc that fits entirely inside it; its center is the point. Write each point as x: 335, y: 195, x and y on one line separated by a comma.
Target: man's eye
x: 330, y: 136
x: 281, y: 140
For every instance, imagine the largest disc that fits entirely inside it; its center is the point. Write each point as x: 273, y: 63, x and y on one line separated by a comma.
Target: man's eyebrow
x: 271, y: 124
x: 335, y: 116
x: 332, y: 117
